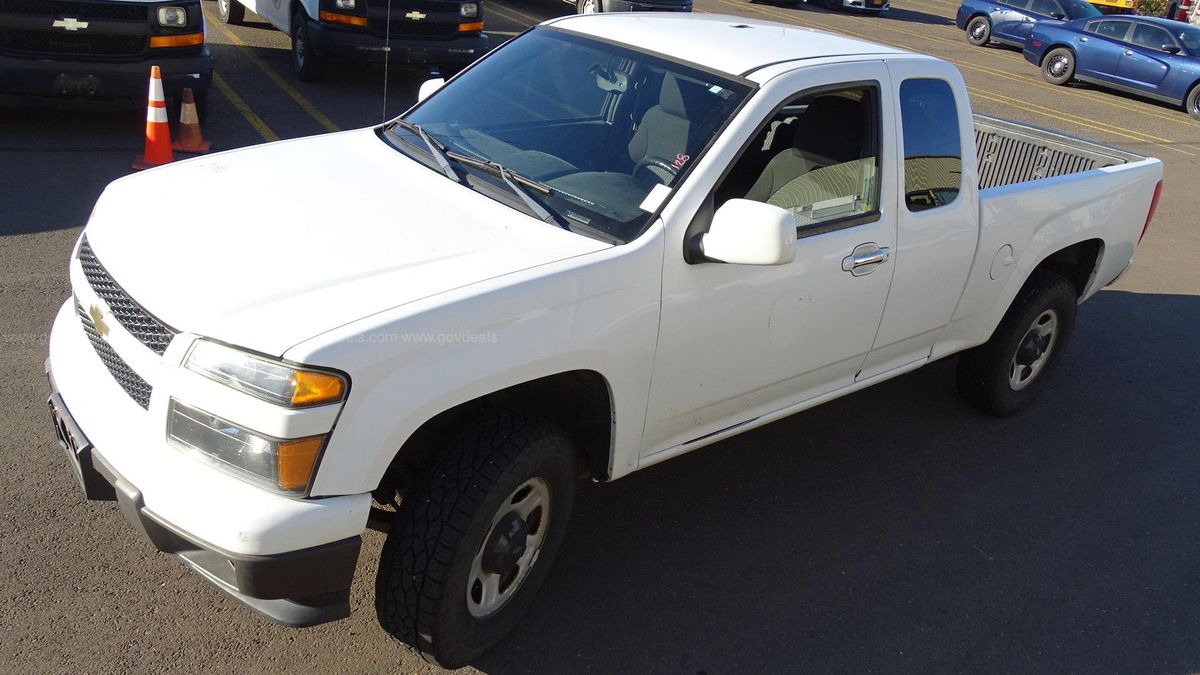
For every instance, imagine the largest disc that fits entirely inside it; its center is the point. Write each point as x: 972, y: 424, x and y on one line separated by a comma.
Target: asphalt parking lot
x: 1063, y: 540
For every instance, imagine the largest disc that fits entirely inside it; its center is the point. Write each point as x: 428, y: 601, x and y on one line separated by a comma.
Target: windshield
x: 594, y: 126
x: 1078, y: 9
x: 1190, y: 37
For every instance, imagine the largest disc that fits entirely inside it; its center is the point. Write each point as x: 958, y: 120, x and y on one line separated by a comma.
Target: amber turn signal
x: 344, y: 19
x: 296, y: 460
x: 313, y: 387
x: 470, y: 27
x: 185, y: 40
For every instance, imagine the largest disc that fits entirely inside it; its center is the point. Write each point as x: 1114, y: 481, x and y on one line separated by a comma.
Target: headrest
x: 670, y: 99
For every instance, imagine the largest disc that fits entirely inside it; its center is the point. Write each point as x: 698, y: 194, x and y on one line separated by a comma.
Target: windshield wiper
x: 520, y: 185
x: 436, y: 148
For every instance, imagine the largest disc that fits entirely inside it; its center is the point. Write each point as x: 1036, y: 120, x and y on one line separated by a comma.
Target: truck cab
x: 92, y: 49
x: 445, y: 35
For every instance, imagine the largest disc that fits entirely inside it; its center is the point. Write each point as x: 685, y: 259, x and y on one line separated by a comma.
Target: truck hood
x: 266, y: 247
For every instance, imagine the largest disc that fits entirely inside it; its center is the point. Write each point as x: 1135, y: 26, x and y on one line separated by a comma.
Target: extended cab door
x: 937, y: 217
x: 737, y: 342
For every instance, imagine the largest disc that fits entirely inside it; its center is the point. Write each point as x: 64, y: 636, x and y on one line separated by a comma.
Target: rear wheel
x: 588, y: 7
x: 305, y: 61
x: 1192, y: 102
x: 979, y: 31
x: 473, y: 540
x: 1005, y: 374
x: 231, y: 12
x: 1059, y: 66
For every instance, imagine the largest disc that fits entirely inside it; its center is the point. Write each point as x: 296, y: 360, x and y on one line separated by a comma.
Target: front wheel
x: 1005, y: 374
x: 1192, y: 102
x: 305, y: 62
x: 979, y: 31
x: 231, y: 12
x: 1059, y: 66
x: 473, y: 540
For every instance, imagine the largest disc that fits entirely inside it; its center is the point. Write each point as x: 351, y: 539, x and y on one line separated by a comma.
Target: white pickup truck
x: 577, y: 258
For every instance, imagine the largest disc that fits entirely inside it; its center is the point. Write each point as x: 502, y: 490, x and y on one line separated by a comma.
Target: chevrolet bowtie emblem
x: 69, y: 24
x: 415, y: 15
x: 97, y: 315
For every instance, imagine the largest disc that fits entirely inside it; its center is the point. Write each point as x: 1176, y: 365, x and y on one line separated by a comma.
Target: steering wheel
x: 651, y: 160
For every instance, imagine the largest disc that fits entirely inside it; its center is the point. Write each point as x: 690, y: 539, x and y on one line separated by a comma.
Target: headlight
x: 173, y: 17
x: 469, y: 9
x: 344, y: 4
x: 280, y: 465
x: 264, y: 378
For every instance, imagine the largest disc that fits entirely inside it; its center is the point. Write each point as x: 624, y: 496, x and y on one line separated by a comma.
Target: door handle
x: 1082, y: 39
x: 865, y: 258
x: 1128, y: 53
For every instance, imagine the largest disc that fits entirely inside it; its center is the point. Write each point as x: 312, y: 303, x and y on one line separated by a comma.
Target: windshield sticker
x: 680, y: 160
x: 655, y: 199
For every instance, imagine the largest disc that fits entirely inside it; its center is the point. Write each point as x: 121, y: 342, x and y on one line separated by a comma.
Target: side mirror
x: 1170, y: 49
x: 745, y: 232
x: 428, y: 87
x: 1058, y: 15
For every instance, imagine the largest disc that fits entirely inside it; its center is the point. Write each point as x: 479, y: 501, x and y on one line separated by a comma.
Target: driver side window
x: 816, y: 157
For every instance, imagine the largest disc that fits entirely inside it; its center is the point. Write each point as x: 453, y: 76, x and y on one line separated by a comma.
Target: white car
x: 579, y: 257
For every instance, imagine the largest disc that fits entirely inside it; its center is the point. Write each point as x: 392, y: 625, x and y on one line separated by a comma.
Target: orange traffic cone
x: 158, y: 133
x: 190, y: 139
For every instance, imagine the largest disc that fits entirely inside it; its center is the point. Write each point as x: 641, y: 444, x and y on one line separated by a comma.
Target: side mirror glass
x: 745, y: 232
x: 428, y: 87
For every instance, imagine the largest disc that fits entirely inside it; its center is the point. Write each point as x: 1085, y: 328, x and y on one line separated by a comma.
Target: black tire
x: 833, y: 5
x: 306, y: 63
x: 424, y: 589
x: 986, y: 373
x: 1192, y: 103
x: 231, y: 12
x: 979, y: 31
x: 589, y: 6
x: 1058, y: 66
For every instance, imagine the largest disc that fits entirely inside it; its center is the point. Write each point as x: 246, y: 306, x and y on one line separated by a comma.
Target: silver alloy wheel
x: 591, y: 7
x: 1034, y: 350
x: 510, y: 548
x: 1057, y: 65
x: 223, y: 7
x: 978, y: 30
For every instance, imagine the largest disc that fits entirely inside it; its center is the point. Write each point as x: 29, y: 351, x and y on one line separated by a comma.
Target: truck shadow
x: 899, y: 530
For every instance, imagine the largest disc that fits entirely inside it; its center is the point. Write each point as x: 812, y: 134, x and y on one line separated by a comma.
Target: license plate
x: 72, y: 84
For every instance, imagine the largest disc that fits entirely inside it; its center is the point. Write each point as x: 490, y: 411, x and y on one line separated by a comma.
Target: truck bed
x: 1009, y: 152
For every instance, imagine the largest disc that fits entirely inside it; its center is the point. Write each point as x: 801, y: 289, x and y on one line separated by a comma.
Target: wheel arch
x: 1052, y: 47
x: 580, y: 401
x: 1077, y: 263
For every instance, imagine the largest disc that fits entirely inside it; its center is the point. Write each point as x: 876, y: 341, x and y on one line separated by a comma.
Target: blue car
x: 1152, y: 57
x: 1011, y: 21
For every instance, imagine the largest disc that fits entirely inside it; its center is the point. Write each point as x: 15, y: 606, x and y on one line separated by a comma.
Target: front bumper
x: 289, y: 559
x: 357, y: 45
x: 103, y: 79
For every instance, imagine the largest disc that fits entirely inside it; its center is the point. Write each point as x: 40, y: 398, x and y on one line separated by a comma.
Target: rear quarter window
x: 932, y: 144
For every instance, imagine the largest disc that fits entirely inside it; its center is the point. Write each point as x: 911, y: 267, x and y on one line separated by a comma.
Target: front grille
x: 402, y: 28
x: 132, y: 317
x: 116, y: 11
x: 83, y: 44
x: 138, y: 389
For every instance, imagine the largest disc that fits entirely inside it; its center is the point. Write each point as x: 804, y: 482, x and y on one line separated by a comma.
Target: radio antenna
x: 387, y: 56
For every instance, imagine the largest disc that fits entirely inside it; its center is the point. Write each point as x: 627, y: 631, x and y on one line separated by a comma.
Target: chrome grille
x: 137, y: 388
x: 132, y: 317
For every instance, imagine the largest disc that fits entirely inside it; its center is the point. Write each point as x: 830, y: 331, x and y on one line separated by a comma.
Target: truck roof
x: 722, y: 42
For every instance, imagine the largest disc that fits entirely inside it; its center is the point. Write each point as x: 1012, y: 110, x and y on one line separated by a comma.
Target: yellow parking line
x: 515, y: 15
x: 254, y: 120
x: 288, y: 89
